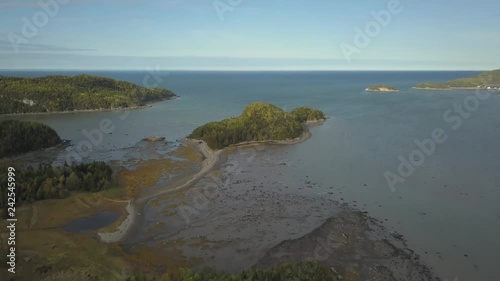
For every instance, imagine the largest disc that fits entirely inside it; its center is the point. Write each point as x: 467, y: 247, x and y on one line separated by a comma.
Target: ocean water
x: 448, y: 208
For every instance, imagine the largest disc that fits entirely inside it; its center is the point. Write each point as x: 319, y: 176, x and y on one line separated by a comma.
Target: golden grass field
x: 46, y: 252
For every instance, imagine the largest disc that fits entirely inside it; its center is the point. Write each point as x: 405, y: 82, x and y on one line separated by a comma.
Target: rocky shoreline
x: 453, y: 88
x: 211, y: 159
x: 254, y: 217
x: 147, y: 105
x: 265, y: 223
x: 354, y: 247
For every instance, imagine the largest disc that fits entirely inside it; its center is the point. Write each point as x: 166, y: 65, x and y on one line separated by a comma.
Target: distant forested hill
x: 24, y: 136
x: 483, y: 80
x: 67, y: 93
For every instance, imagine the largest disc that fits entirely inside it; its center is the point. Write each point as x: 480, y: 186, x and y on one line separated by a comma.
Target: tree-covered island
x: 70, y: 93
x: 259, y: 122
x: 485, y: 80
x: 18, y: 137
x: 381, y: 88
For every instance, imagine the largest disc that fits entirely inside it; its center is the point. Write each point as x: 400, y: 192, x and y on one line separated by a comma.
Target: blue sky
x: 250, y: 35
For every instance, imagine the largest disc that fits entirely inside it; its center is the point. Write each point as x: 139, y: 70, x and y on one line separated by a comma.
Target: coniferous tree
x: 47, y: 182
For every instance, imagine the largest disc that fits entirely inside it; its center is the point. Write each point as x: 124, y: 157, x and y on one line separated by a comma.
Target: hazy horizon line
x: 247, y: 70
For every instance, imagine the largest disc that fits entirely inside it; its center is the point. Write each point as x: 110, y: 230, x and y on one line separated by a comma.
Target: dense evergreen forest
x: 305, y: 114
x: 67, y: 93
x: 24, y: 136
x: 47, y: 182
x: 259, y: 121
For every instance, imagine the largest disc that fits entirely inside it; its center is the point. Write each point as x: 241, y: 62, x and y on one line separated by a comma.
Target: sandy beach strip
x: 119, y: 234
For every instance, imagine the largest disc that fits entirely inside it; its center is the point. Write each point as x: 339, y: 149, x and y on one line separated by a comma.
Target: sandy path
x: 123, y: 228
x: 135, y: 205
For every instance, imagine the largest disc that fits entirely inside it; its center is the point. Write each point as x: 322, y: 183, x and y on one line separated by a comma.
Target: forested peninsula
x: 259, y: 122
x: 73, y: 93
x: 45, y: 181
x: 18, y: 137
x: 485, y: 80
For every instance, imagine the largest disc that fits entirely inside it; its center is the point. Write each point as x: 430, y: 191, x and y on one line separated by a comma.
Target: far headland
x: 489, y: 80
x: 79, y: 93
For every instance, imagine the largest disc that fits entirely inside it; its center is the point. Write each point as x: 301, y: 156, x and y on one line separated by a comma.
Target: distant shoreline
x: 452, y: 88
x: 147, y: 105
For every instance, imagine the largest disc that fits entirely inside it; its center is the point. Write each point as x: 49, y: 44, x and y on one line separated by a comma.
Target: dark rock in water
x: 154, y: 138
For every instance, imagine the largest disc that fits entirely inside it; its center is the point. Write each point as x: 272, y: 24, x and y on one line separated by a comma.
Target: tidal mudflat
x: 241, y: 214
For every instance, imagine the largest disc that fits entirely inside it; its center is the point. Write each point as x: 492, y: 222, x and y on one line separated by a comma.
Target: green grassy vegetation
x: 482, y: 80
x: 429, y: 85
x: 258, y: 122
x: 382, y: 88
x: 67, y: 93
x: 304, y: 114
x: 23, y: 136
x: 55, y: 255
x: 302, y: 271
x: 47, y: 182
x: 48, y: 253
x: 148, y: 173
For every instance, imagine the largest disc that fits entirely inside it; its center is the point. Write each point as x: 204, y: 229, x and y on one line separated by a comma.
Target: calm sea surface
x: 448, y: 208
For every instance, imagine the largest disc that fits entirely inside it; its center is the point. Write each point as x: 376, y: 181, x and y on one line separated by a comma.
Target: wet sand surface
x: 246, y: 213
x: 243, y: 207
x: 231, y: 217
x: 355, y: 247
x: 71, y: 152
x: 212, y: 159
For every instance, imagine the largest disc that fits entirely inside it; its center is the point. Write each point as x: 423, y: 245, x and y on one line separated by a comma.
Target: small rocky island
x: 381, y: 88
x: 489, y: 80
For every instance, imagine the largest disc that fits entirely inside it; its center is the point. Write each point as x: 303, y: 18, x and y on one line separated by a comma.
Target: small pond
x: 90, y: 223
